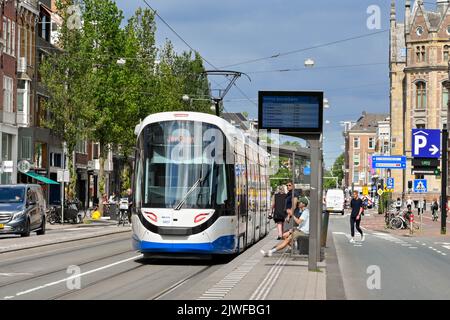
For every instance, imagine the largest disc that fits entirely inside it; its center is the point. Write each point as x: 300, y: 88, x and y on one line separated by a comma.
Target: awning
x: 41, y: 178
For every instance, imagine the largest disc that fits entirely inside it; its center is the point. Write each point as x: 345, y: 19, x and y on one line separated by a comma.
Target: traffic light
x: 437, y: 172
x: 410, y: 184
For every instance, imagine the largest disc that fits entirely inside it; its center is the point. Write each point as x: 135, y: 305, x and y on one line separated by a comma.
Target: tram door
x: 263, y: 199
x: 258, y: 212
x: 241, y: 196
x: 251, y: 195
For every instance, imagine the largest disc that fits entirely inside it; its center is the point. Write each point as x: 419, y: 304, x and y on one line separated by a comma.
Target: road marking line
x: 266, y: 284
x: 15, y: 274
x: 8, y: 297
x: 77, y: 276
x: 412, y: 247
x: 273, y: 280
x: 447, y: 247
x: 224, y: 286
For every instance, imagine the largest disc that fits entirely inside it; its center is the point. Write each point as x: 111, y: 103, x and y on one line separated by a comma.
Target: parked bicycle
x: 402, y: 221
x: 72, y: 213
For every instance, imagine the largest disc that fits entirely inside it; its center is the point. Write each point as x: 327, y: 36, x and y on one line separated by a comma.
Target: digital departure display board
x: 291, y: 112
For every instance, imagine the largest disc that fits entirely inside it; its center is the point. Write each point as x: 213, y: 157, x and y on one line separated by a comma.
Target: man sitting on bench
x: 301, y: 230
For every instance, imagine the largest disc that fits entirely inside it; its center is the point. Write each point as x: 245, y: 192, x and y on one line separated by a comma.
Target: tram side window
x: 138, y: 181
x: 222, y: 190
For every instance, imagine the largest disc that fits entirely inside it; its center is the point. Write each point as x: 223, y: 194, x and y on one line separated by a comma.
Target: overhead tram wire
x: 176, y: 33
x: 278, y: 55
x: 318, y: 68
x: 189, y: 46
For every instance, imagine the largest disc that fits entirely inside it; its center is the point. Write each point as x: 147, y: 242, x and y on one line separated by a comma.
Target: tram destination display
x: 296, y: 112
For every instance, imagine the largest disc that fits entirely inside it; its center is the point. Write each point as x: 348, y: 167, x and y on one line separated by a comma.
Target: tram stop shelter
x: 300, y: 114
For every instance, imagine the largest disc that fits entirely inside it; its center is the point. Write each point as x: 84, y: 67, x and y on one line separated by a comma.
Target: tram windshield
x: 182, y: 166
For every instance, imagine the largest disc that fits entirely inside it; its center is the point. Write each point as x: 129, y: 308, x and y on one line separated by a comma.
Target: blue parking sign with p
x: 390, y: 184
x: 426, y: 143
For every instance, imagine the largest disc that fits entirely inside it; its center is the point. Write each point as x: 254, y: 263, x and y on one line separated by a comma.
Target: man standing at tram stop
x: 355, y: 218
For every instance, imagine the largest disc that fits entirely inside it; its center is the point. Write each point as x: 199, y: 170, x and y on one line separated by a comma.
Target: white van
x: 335, y: 201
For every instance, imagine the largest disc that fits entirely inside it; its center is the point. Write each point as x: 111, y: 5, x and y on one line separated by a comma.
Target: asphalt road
x: 387, y: 267
x: 108, y: 269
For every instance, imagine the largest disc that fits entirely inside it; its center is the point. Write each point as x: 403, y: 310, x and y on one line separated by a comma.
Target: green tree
x: 282, y: 176
x: 104, y: 42
x: 64, y: 74
x: 337, y: 169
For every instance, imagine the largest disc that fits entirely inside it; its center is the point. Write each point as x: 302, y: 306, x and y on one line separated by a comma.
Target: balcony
x: 7, y: 117
x: 30, y: 5
x: 95, y: 165
x: 22, y: 119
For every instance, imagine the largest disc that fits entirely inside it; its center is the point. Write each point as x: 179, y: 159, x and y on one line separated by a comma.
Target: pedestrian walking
x: 420, y: 206
x: 279, y: 213
x: 355, y: 218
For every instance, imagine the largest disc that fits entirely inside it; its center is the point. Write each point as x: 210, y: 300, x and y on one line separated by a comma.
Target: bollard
x: 326, y: 217
x: 411, y: 221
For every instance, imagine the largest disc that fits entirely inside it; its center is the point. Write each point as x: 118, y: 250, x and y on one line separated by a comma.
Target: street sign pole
x: 444, y: 180
x: 314, y: 240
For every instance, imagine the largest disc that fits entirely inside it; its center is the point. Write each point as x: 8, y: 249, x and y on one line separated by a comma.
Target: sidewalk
x: 375, y: 222
x: 90, y: 223
x: 251, y: 276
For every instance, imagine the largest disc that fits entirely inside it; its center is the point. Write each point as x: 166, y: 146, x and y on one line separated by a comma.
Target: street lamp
x: 309, y: 63
x: 121, y: 62
x: 186, y: 98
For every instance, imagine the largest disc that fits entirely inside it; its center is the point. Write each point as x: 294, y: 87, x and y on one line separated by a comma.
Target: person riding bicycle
x: 409, y: 204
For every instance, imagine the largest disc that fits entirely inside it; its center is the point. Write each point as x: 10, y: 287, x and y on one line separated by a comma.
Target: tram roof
x: 228, y: 129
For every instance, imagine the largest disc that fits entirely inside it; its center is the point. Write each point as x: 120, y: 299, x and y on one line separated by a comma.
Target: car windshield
x: 11, y: 195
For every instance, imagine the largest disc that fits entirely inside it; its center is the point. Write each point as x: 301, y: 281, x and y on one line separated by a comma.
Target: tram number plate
x: 2, y: 226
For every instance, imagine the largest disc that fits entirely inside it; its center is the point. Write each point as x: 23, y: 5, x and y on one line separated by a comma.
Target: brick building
x: 8, y: 94
x: 360, y: 146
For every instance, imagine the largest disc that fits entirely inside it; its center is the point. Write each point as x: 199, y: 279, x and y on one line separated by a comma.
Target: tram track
x: 35, y: 277
x: 33, y: 257
x: 178, y: 284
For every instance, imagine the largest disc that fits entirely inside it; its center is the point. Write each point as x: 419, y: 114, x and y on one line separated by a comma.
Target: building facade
x: 419, y: 55
x: 9, y: 115
x: 361, y: 142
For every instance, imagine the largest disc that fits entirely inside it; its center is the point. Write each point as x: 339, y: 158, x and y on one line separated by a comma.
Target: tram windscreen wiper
x: 196, y: 184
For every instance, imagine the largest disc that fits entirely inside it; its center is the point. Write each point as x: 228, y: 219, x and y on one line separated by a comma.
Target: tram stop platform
x: 251, y: 276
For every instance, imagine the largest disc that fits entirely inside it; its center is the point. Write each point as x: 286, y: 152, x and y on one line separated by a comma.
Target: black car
x: 22, y: 209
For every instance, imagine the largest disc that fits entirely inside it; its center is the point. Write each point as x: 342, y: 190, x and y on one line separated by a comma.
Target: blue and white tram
x: 200, y: 186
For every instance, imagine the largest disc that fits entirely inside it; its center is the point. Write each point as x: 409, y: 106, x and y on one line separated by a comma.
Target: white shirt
x: 304, y: 225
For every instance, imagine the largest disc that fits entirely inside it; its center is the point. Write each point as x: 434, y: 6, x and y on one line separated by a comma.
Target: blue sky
x: 231, y: 31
